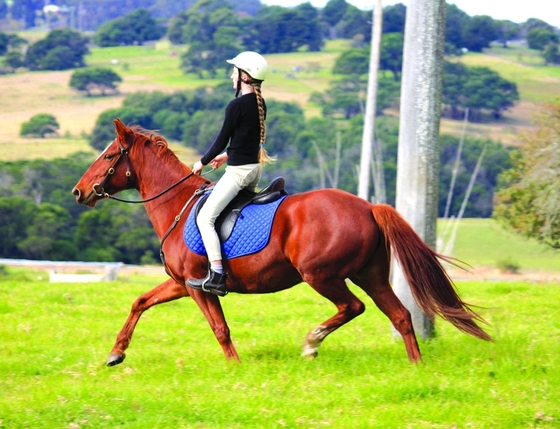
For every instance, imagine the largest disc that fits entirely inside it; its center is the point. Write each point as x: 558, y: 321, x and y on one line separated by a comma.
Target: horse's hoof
x: 115, y: 359
x: 309, y: 353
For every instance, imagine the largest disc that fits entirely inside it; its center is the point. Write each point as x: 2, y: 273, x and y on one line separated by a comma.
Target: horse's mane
x: 159, y: 142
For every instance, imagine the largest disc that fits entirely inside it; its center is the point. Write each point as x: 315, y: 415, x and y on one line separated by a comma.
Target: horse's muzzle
x: 87, y: 201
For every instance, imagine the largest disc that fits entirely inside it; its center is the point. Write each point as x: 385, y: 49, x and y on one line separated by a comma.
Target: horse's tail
x: 429, y: 283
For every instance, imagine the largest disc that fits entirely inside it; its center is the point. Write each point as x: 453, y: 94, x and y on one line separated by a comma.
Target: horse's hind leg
x: 348, y: 305
x: 165, y: 292
x: 377, y: 286
x: 210, y: 306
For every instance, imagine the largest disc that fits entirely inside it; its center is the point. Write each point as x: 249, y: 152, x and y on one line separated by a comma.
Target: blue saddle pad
x: 250, y: 234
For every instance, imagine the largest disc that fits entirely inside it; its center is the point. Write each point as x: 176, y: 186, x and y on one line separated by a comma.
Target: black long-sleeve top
x: 241, y: 129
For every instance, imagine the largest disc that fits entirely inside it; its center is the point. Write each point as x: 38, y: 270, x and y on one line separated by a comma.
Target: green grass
x: 534, y: 80
x: 159, y: 64
x: 56, y: 337
x: 483, y: 243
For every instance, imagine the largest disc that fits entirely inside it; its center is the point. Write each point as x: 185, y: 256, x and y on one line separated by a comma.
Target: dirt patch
x: 26, y: 94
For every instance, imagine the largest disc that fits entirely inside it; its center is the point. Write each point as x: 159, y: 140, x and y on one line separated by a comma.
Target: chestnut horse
x: 320, y: 237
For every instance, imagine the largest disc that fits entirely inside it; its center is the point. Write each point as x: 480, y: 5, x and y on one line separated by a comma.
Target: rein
x: 106, y: 195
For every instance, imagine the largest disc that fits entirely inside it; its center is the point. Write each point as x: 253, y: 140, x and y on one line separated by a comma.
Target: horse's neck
x: 157, y: 178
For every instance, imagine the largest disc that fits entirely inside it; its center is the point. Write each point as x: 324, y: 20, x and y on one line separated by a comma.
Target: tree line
x: 39, y: 218
x: 217, y: 29
x: 312, y: 153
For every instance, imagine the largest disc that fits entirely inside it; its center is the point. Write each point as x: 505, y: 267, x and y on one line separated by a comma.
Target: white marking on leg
x: 313, y: 341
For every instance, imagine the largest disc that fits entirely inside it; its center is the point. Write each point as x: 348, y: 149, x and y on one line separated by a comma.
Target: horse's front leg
x: 167, y: 291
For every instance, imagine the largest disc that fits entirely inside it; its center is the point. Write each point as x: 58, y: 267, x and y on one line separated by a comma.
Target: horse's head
x: 111, y: 172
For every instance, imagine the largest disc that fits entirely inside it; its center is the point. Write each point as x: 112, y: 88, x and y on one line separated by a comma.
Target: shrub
x: 508, y: 266
x: 40, y: 125
x: 95, y: 78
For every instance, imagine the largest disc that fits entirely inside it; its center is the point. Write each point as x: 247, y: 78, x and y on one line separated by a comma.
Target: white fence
x: 66, y: 272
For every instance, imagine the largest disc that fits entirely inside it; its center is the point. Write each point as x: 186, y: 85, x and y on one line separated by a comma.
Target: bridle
x: 123, y: 155
x: 99, y: 188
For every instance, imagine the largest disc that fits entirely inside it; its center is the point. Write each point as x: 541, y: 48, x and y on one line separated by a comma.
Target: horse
x: 320, y: 237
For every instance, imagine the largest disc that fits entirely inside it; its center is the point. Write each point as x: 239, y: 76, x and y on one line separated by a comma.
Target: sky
x: 516, y: 11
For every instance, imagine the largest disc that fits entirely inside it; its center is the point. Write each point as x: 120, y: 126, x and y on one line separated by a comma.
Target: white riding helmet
x: 252, y: 63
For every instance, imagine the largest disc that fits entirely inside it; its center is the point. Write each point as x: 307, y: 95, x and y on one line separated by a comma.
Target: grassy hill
x: 156, y: 67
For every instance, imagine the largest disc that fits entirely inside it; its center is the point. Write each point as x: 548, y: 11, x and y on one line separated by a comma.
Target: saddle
x: 227, y: 219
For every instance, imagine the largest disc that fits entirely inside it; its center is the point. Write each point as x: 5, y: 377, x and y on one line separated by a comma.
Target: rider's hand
x: 219, y: 160
x: 197, y: 167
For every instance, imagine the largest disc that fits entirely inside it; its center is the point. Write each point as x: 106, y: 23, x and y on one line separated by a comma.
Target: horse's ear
x: 120, y: 127
x: 123, y: 131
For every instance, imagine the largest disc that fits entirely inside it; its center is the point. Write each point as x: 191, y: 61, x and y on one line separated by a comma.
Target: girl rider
x: 244, y: 130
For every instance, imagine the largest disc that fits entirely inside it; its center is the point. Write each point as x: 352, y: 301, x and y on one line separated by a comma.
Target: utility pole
x: 371, y: 102
x: 418, y: 155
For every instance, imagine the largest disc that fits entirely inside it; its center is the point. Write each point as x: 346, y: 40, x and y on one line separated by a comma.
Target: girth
x: 227, y: 219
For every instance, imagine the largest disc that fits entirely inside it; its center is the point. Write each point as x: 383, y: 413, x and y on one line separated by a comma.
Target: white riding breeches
x: 234, y: 179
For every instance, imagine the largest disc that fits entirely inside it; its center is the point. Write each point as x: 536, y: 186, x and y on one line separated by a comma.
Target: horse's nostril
x: 76, y: 193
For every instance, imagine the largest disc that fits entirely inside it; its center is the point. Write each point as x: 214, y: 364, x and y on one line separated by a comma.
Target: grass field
x: 483, y: 244
x: 56, y: 338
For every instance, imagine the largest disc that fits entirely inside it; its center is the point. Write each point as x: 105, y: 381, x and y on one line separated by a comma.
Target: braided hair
x: 264, y: 157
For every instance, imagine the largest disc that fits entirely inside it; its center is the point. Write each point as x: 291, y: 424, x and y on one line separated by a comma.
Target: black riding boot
x: 213, y: 282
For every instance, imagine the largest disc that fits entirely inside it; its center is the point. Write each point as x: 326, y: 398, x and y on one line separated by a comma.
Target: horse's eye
x: 108, y: 157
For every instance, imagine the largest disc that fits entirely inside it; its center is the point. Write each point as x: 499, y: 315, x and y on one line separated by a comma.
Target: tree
x: 507, y: 30
x: 355, y: 61
x: 4, y: 43
x: 95, y: 79
x: 352, y: 62
x: 477, y: 88
x: 346, y: 97
x: 532, y: 23
x: 528, y: 202
x: 456, y: 21
x: 135, y: 28
x: 104, y: 129
x: 280, y: 29
x: 394, y: 17
x: 48, y: 237
x: 479, y: 31
x: 418, y: 166
x: 392, y: 53
x: 213, y: 33
x: 122, y: 233
x: 40, y: 125
x: 539, y: 37
x: 551, y: 54
x: 61, y: 49
x: 333, y: 11
x: 355, y: 22
x: 14, y: 60
x: 311, y: 36
x: 15, y: 214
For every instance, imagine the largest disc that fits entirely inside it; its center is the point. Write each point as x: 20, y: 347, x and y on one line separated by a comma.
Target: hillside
x: 156, y: 67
